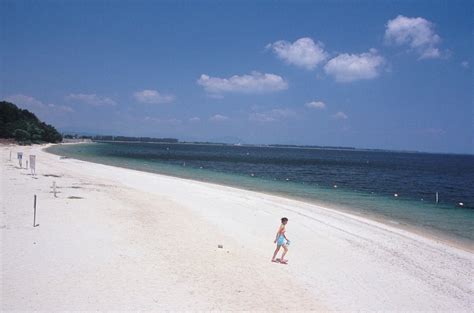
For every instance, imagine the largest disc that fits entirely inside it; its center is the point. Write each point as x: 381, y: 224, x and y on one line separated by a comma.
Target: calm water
x: 366, y: 181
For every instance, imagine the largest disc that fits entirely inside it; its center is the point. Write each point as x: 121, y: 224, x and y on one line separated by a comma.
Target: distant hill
x: 24, y: 126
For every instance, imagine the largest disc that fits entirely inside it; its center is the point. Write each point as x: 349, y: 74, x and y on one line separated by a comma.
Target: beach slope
x: 119, y: 239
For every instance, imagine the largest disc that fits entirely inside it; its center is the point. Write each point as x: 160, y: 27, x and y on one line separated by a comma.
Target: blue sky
x: 385, y: 74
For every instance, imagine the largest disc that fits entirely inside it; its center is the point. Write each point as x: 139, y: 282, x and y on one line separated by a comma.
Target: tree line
x: 24, y: 126
x: 122, y: 138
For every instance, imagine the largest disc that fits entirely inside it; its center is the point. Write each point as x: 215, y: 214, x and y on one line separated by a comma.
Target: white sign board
x: 19, y: 156
x: 33, y: 164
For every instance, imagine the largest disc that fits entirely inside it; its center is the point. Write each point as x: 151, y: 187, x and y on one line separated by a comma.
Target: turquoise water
x: 366, y: 181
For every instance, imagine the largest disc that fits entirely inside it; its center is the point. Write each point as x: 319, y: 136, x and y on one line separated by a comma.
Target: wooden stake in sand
x: 34, y: 216
x: 54, y: 189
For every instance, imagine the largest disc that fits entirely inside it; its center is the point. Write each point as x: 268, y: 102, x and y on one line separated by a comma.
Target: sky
x: 366, y: 74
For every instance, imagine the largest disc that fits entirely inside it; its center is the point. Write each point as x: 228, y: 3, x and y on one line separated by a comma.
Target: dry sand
x: 119, y: 239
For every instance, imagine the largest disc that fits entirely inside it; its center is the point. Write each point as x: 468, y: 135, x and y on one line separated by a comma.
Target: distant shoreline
x: 278, y: 146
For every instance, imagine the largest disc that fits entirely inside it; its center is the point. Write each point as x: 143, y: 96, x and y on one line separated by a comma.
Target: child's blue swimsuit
x: 281, y: 240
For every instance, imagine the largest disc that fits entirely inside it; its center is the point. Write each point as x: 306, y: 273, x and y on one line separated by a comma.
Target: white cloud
x: 218, y: 118
x: 24, y: 100
x: 254, y: 83
x: 416, y: 32
x: 195, y: 119
x: 316, y: 105
x: 152, y: 97
x: 60, y: 107
x: 31, y: 103
x: 170, y: 121
x: 304, y: 52
x: 340, y: 116
x: 91, y: 99
x: 350, y: 67
x: 465, y: 64
x: 274, y: 115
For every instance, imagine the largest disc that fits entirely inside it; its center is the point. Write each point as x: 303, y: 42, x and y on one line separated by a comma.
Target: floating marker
x: 252, y: 174
x: 437, y: 198
x: 335, y: 186
x: 395, y: 194
x: 461, y: 204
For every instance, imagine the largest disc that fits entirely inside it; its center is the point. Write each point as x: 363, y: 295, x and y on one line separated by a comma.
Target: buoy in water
x: 252, y: 174
x: 461, y: 204
x: 335, y: 186
x: 395, y: 194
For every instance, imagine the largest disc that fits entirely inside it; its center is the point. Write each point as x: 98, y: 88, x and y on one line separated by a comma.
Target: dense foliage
x: 24, y: 126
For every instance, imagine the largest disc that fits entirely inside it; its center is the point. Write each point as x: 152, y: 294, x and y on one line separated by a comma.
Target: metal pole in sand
x: 34, y: 216
x: 54, y: 189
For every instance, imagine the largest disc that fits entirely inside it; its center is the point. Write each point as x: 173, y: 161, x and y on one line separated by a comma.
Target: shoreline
x: 434, y: 234
x: 355, y: 149
x: 122, y: 239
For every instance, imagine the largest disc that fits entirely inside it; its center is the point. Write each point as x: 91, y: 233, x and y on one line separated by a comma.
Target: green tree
x: 24, y: 126
x: 21, y: 135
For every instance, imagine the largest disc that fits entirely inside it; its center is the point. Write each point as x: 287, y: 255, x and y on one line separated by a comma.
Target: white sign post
x: 19, y: 156
x: 33, y: 164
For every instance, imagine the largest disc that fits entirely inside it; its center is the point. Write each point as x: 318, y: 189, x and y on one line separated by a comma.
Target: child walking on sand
x: 281, y: 241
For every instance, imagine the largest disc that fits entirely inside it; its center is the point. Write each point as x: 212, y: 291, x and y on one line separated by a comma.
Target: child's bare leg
x: 276, y: 252
x: 284, y: 253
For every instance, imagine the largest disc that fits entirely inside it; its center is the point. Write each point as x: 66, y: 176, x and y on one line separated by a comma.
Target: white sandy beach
x: 119, y: 239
